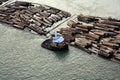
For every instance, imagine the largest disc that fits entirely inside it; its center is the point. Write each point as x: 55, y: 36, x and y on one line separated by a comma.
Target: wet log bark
x: 87, y: 19
x: 112, y: 45
x: 107, y: 26
x: 83, y: 42
x: 111, y: 23
x: 105, y: 51
x: 36, y: 29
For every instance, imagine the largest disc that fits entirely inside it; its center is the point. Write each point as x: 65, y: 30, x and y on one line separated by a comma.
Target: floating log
x: 104, y: 29
x: 83, y: 42
x: 60, y: 15
x: 115, y: 40
x: 117, y: 55
x: 87, y: 19
x: 53, y: 10
x: 22, y: 14
x: 95, y: 45
x: 47, y: 21
x: 20, y: 3
x: 107, y: 26
x: 82, y: 29
x: 53, y: 18
x: 85, y: 27
x: 68, y: 37
x: 18, y: 26
x: 36, y: 29
x: 102, y: 33
x: 93, y: 50
x: 113, y: 19
x: 109, y: 44
x: 109, y: 19
x: 92, y: 36
x: 72, y: 23
x: 65, y: 14
x: 106, y: 51
x: 111, y: 23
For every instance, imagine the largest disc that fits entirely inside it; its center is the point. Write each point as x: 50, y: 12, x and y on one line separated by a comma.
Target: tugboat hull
x: 47, y: 44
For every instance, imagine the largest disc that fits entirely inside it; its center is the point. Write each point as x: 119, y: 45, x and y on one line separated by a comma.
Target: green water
x: 22, y: 58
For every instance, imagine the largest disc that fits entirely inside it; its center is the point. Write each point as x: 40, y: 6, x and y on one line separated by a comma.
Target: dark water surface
x: 22, y: 58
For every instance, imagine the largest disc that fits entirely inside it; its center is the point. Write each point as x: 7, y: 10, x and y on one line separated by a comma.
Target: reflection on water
x: 61, y: 55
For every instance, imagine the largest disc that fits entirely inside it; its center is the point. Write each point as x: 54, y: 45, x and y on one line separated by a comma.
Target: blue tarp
x: 57, y: 39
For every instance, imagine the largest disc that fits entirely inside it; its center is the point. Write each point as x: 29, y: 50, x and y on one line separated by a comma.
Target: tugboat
x: 55, y: 43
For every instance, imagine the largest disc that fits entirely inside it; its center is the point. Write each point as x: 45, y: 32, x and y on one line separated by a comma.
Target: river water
x: 22, y: 58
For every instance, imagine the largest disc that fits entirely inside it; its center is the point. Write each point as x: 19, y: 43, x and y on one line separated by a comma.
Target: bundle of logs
x: 2, y: 1
x: 35, y: 17
x: 95, y: 35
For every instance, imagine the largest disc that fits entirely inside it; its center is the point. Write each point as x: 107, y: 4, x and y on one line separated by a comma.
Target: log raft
x: 94, y: 34
x: 23, y: 15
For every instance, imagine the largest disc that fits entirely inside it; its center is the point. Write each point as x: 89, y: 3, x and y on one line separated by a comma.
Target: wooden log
x: 117, y: 36
x: 106, y: 51
x: 111, y: 23
x: 37, y: 18
x: 65, y: 14
x: 38, y: 23
x: 53, y: 18
x: 20, y: 3
x: 53, y: 10
x: 110, y: 19
x: 6, y: 21
x: 47, y: 21
x: 35, y: 10
x: 1, y: 18
x: 109, y: 44
x: 68, y: 37
x: 83, y: 42
x: 115, y: 40
x: 3, y: 15
x: 113, y: 19
x: 107, y: 26
x: 118, y: 32
x: 72, y: 23
x: 36, y: 29
x: 98, y: 32
x: 93, y: 50
x: 16, y: 7
x: 87, y: 19
x: 95, y: 45
x: 104, y: 29
x: 82, y: 29
x: 117, y: 55
x: 47, y: 24
x: 3, y: 8
x: 44, y: 14
x: 16, y: 20
x: 92, y: 36
x: 85, y: 26
x: 18, y: 26
x: 60, y: 15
